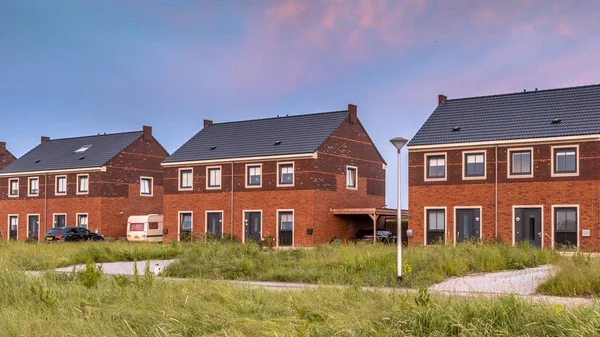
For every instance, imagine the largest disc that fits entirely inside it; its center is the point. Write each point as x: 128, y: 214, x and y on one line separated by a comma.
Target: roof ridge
x: 98, y: 135
x: 524, y: 92
x: 280, y: 117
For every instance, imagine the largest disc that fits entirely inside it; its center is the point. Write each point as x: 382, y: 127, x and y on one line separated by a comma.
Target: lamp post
x: 399, y: 142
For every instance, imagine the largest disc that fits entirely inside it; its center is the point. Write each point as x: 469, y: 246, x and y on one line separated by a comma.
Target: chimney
x: 441, y: 99
x: 207, y: 122
x: 45, y: 139
x: 147, y: 133
x: 2, y: 146
x: 352, y: 113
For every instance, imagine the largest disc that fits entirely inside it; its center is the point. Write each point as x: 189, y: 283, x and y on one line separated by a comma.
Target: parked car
x: 71, y: 234
x: 366, y: 235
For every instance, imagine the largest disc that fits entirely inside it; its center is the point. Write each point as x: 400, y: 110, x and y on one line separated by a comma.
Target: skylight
x: 82, y: 149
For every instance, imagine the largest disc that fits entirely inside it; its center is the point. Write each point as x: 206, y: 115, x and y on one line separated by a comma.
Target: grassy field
x: 88, y: 304
x: 578, y: 275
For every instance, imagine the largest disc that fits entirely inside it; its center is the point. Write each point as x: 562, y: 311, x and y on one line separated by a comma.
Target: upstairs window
x: 351, y: 177
x: 474, y: 165
x: 520, y: 163
x: 13, y: 187
x: 254, y: 175
x: 146, y: 186
x: 214, y: 177
x: 82, y: 184
x: 61, y: 185
x: 436, y: 167
x: 286, y: 174
x: 34, y: 187
x: 186, y: 179
x: 565, y: 160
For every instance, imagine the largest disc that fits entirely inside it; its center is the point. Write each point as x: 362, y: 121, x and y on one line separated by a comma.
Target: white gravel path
x: 123, y: 268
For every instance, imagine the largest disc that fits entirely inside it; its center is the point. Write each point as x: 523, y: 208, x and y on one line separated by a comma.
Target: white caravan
x: 145, y: 228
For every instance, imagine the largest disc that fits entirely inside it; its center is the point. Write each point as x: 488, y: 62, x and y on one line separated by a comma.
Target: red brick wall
x: 543, y: 190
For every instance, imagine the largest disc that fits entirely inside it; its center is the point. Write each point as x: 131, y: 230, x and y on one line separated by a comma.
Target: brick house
x: 301, y: 180
x: 95, y: 182
x: 5, y: 156
x: 512, y: 167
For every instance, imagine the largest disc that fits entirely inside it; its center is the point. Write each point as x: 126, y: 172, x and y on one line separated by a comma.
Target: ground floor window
x: 13, y: 227
x: 565, y: 227
x: 436, y: 226
x: 33, y: 226
x: 286, y: 228
x: 185, y: 226
x: 60, y: 220
x: 82, y: 220
x: 214, y: 225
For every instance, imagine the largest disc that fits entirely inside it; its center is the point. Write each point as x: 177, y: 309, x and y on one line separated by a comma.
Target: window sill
x: 517, y: 176
x: 558, y: 175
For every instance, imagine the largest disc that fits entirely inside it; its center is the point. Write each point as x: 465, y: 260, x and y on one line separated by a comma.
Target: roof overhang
x: 368, y: 211
x: 312, y: 155
x: 505, y: 142
x: 30, y: 173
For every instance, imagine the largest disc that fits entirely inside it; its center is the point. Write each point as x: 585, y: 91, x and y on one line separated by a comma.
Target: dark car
x: 366, y: 235
x: 72, y: 234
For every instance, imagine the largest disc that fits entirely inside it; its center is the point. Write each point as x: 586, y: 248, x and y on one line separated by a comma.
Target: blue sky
x: 72, y: 68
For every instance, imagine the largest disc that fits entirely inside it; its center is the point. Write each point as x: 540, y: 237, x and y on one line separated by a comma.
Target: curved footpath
x: 520, y: 283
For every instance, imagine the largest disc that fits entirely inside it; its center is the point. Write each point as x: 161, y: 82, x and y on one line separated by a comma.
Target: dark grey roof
x: 58, y: 154
x: 514, y: 116
x: 254, y: 138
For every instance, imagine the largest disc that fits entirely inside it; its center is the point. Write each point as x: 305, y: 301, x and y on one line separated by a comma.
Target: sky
x: 74, y: 68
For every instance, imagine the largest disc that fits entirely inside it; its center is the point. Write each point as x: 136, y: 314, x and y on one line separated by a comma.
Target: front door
x: 214, y: 224
x: 253, y: 224
x: 33, y: 226
x: 60, y: 221
x: 528, y: 226
x: 468, y: 224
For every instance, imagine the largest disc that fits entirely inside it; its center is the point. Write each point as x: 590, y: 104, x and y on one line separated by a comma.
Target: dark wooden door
x: 467, y: 224
x: 253, y: 224
x: 528, y: 226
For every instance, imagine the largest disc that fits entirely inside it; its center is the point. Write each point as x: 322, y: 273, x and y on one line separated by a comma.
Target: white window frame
x: 206, y: 221
x: 464, y: 164
x: 208, y: 169
x: 435, y: 208
x: 179, y: 223
x: 509, y: 158
x: 541, y: 207
x: 39, y: 225
x: 87, y: 217
x: 262, y: 221
x: 56, y: 192
x: 29, y: 179
x: 426, y: 166
x: 480, y: 221
x: 191, y: 187
x: 355, y: 187
x: 247, y: 175
x: 79, y: 192
x: 576, y: 206
x: 577, y: 163
x: 279, y: 184
x: 9, y: 187
x: 142, y: 178
x: 8, y: 227
x: 54, y: 219
x: 277, y: 213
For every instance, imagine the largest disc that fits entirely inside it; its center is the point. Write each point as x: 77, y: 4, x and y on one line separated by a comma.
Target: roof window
x: 556, y: 121
x: 82, y: 149
x: 277, y: 143
x: 213, y: 148
x: 456, y: 129
x: 37, y: 161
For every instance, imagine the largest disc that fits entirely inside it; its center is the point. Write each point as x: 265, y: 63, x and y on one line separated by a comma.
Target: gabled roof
x: 288, y: 135
x: 522, y: 115
x: 60, y: 154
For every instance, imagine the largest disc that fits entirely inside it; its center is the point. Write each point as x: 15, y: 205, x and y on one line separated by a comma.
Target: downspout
x: 231, y: 211
x: 496, y: 194
x: 45, y: 208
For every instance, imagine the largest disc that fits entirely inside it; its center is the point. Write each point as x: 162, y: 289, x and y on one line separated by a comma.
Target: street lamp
x: 399, y: 142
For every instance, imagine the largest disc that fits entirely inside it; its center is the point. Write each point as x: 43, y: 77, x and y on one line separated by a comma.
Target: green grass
x: 351, y: 264
x: 60, y: 305
x: 578, y: 275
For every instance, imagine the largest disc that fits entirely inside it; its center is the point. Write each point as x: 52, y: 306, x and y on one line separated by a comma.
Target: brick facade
x: 319, y: 185
x: 114, y: 193
x: 542, y: 190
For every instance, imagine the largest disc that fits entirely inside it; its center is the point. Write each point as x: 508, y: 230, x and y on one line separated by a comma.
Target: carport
x: 373, y: 213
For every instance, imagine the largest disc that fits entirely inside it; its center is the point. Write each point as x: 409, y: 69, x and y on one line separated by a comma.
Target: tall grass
x: 361, y: 264
x: 60, y: 305
x: 578, y: 275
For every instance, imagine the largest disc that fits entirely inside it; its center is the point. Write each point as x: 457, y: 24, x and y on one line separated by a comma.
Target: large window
x: 185, y: 226
x: 61, y: 185
x: 520, y: 163
x: 83, y: 184
x: 82, y: 220
x: 565, y: 160
x: 286, y: 174
x: 436, y: 226
x: 474, y: 165
x: 565, y: 226
x: 146, y: 186
x: 34, y: 186
x: 254, y: 175
x: 13, y: 187
x: 436, y: 167
x: 214, y: 177
x: 286, y: 228
x: 351, y: 177
x: 186, y: 179
x: 13, y: 226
